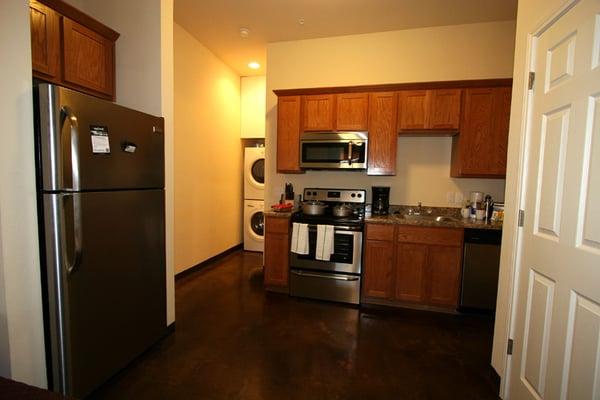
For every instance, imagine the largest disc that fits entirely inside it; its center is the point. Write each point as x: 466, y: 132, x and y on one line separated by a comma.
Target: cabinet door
x: 377, y: 272
x: 288, y: 134
x: 318, y: 112
x: 277, y: 251
x: 383, y: 110
x: 414, y: 109
x: 45, y: 42
x: 411, y: 262
x: 352, y: 112
x: 445, y: 109
x: 480, y: 148
x: 500, y: 126
x: 443, y: 265
x: 88, y: 58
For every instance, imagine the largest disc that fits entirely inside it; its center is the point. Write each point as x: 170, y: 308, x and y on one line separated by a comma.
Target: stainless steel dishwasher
x: 481, y: 262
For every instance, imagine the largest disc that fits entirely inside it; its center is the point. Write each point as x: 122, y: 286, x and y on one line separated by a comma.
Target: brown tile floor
x: 234, y: 341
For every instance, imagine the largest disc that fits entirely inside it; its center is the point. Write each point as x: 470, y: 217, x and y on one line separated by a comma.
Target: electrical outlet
x: 450, y: 197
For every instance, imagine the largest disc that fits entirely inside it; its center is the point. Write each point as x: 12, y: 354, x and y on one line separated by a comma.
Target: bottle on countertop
x: 489, y: 207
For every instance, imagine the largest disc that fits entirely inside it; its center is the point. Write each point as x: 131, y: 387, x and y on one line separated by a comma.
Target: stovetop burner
x: 332, y: 197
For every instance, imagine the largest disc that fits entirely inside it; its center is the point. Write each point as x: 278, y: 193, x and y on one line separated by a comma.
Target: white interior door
x: 557, y: 326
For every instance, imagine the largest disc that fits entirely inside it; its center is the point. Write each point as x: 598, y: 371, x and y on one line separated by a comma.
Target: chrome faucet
x: 419, y: 209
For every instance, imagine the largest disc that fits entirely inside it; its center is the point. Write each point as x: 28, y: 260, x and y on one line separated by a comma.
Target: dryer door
x: 257, y: 225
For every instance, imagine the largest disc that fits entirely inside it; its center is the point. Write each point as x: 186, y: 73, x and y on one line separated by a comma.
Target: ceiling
x: 216, y: 24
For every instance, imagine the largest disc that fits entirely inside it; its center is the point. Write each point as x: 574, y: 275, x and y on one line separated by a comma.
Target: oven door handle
x: 342, y: 230
x: 326, y: 276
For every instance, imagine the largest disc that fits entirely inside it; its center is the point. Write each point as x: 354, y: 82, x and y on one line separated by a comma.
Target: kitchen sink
x: 435, y: 218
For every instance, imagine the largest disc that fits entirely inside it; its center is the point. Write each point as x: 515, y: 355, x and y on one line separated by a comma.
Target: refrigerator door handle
x: 74, y: 142
x: 77, y: 234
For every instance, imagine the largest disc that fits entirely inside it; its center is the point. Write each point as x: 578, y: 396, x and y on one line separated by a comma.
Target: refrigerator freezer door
x: 112, y: 289
x: 91, y: 144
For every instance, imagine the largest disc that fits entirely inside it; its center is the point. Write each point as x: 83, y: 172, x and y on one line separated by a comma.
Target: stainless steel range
x: 339, y: 278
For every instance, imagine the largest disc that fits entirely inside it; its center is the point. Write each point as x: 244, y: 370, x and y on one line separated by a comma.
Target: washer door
x: 257, y: 173
x: 257, y: 225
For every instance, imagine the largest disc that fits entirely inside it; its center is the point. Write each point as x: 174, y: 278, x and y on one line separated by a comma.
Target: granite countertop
x: 451, y: 218
x: 279, y: 214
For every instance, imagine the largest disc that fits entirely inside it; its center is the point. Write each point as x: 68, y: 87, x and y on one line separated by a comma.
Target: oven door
x: 346, y: 257
x: 333, y: 151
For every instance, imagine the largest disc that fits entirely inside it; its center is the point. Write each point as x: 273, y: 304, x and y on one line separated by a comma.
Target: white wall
x: 144, y: 69
x: 208, y: 154
x: 475, y: 51
x: 21, y: 331
x: 253, y: 103
x: 531, y: 13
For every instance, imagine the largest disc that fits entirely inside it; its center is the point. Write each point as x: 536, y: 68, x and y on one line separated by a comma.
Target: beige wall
x: 208, y: 154
x: 475, y: 51
x: 144, y: 65
x: 531, y: 14
x: 253, y: 102
x: 21, y: 324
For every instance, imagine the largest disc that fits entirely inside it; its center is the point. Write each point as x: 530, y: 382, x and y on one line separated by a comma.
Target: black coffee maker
x: 380, y: 203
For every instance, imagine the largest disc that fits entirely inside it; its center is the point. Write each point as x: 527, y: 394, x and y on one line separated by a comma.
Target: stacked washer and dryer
x: 254, y: 189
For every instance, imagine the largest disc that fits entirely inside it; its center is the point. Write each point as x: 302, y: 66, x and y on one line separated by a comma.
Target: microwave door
x: 325, y: 154
x: 333, y: 155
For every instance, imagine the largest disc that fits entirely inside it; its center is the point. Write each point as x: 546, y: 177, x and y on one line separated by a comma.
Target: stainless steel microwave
x: 333, y: 150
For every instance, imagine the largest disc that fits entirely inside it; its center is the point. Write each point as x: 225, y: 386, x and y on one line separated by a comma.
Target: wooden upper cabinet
x: 423, y: 110
x: 88, y: 58
x: 288, y: 134
x: 352, y: 112
x: 318, y: 112
x: 45, y: 41
x: 72, y: 49
x: 381, y: 158
x: 413, y: 113
x: 480, y: 148
x: 445, y: 109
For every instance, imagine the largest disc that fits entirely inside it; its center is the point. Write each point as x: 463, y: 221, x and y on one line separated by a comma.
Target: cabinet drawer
x: 435, y: 236
x: 380, y: 232
x: 277, y: 225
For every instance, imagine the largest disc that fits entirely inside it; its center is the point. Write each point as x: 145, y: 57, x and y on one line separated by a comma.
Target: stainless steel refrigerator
x: 102, y: 232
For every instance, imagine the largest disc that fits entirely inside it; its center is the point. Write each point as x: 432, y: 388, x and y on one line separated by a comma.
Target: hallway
x: 235, y: 341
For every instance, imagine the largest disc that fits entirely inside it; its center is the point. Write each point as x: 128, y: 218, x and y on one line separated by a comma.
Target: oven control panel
x: 336, y: 195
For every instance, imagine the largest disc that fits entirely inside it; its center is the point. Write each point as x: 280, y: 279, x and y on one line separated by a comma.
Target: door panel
x: 557, y: 309
x: 379, y: 257
x: 88, y: 58
x: 288, y: 134
x: 444, y: 272
x: 68, y: 120
x: 411, y: 264
x: 114, y: 295
x: 383, y: 110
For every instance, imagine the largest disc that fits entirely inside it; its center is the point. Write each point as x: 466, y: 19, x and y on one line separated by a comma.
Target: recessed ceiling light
x: 244, y: 32
x: 253, y: 65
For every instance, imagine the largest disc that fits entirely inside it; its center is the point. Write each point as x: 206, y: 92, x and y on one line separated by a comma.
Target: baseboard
x: 209, y: 261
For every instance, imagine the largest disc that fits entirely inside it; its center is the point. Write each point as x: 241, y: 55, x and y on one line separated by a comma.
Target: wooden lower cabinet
x: 379, y: 256
x: 421, y: 266
x: 276, y: 253
x: 444, y: 265
x: 411, y: 265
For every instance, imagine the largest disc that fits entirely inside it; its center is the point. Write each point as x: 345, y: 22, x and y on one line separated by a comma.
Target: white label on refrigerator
x: 100, y: 143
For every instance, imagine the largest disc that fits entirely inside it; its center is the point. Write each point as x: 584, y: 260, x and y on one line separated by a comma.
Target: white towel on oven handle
x: 325, y: 245
x: 299, y: 238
